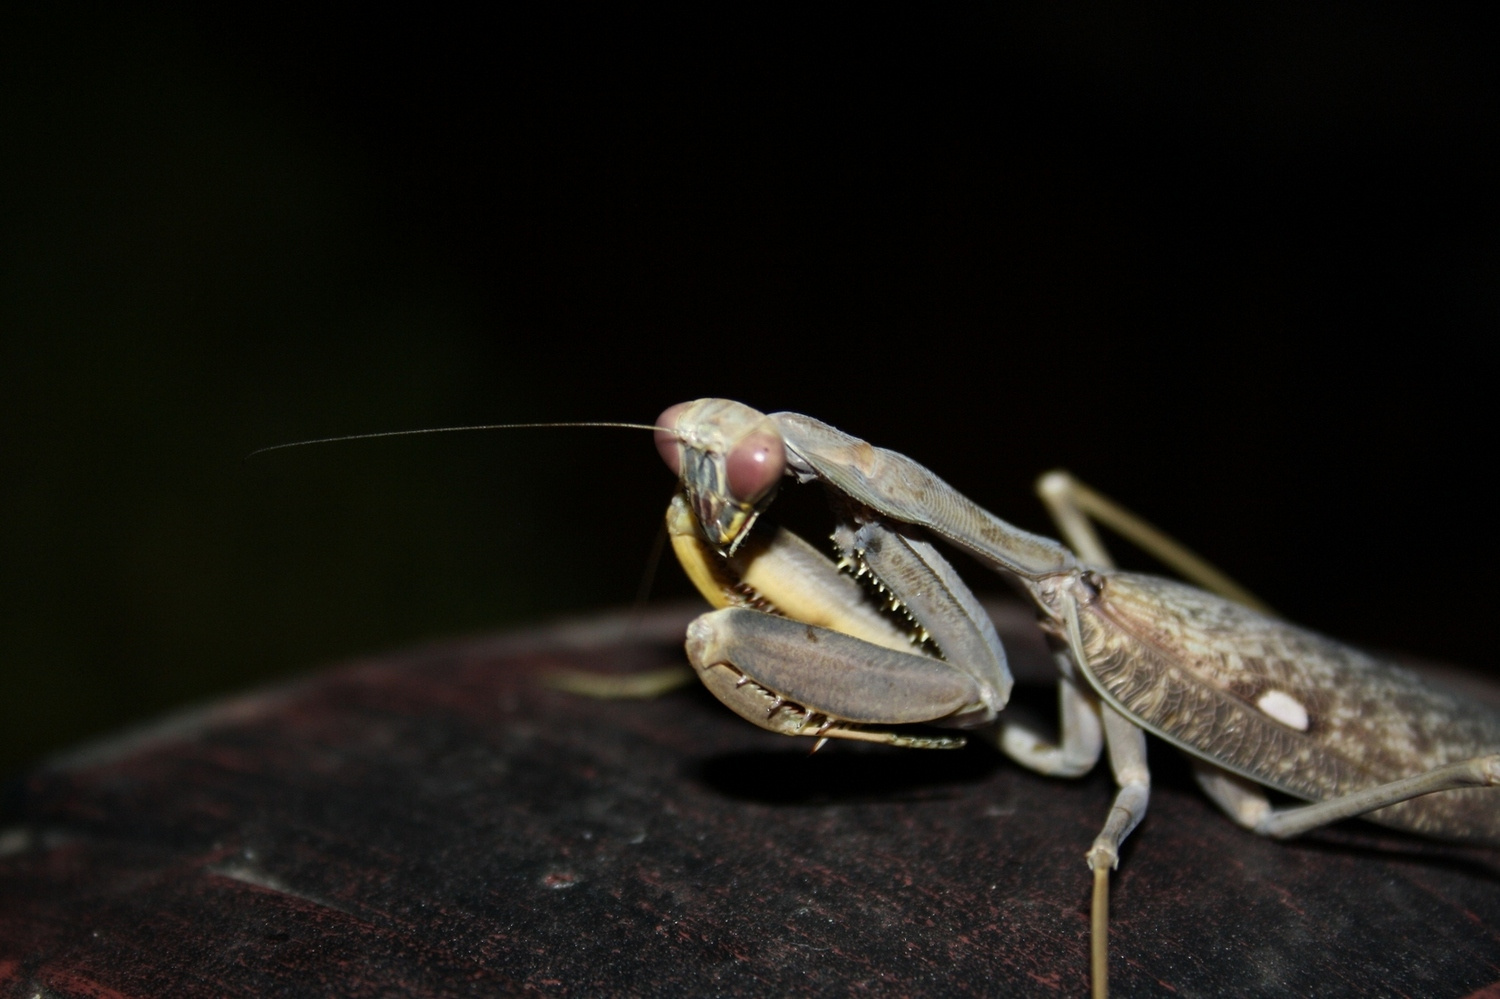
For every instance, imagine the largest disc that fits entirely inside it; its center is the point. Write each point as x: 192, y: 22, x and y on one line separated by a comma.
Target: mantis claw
x: 764, y: 666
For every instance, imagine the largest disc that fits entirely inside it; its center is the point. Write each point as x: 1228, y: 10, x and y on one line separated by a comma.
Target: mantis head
x: 730, y: 459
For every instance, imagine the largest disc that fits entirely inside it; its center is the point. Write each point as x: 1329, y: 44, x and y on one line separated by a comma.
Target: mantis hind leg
x: 1248, y: 805
x: 1075, y: 507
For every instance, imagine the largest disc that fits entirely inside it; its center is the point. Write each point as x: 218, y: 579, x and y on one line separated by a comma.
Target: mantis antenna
x: 453, y: 430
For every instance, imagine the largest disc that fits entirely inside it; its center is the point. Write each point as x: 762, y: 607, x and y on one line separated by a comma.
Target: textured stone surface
x: 437, y: 822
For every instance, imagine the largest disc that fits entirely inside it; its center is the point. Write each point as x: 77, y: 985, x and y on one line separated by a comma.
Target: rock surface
x: 439, y: 822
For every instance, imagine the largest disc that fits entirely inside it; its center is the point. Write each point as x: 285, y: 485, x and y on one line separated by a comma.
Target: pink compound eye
x: 755, y: 466
x: 667, y: 442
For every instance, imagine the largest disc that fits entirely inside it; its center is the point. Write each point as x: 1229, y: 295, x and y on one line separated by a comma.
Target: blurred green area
x: 1237, y: 268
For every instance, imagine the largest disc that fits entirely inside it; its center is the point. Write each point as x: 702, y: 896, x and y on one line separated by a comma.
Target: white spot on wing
x: 1284, y: 708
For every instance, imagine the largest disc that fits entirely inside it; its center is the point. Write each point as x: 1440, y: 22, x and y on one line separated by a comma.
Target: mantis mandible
x: 800, y: 646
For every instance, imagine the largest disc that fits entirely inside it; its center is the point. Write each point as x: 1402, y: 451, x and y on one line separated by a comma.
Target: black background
x: 1238, y: 268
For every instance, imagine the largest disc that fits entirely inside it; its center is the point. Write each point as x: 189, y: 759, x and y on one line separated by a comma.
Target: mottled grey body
x: 1192, y: 668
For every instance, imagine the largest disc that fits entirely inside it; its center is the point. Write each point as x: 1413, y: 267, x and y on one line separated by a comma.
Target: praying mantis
x: 890, y: 646
x: 892, y: 637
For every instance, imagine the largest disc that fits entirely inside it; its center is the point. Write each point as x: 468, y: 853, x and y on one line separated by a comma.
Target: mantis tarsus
x: 800, y: 648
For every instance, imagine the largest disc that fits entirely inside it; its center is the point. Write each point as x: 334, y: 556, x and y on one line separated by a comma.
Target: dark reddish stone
x: 438, y: 823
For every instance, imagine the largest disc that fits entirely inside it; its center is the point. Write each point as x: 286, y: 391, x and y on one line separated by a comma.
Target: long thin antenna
x: 452, y: 430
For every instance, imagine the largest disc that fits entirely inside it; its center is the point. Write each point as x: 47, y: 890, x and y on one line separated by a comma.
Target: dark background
x: 1237, y: 268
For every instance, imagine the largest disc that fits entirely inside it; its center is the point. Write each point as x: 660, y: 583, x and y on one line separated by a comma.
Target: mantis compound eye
x: 745, y: 445
x: 755, y: 466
